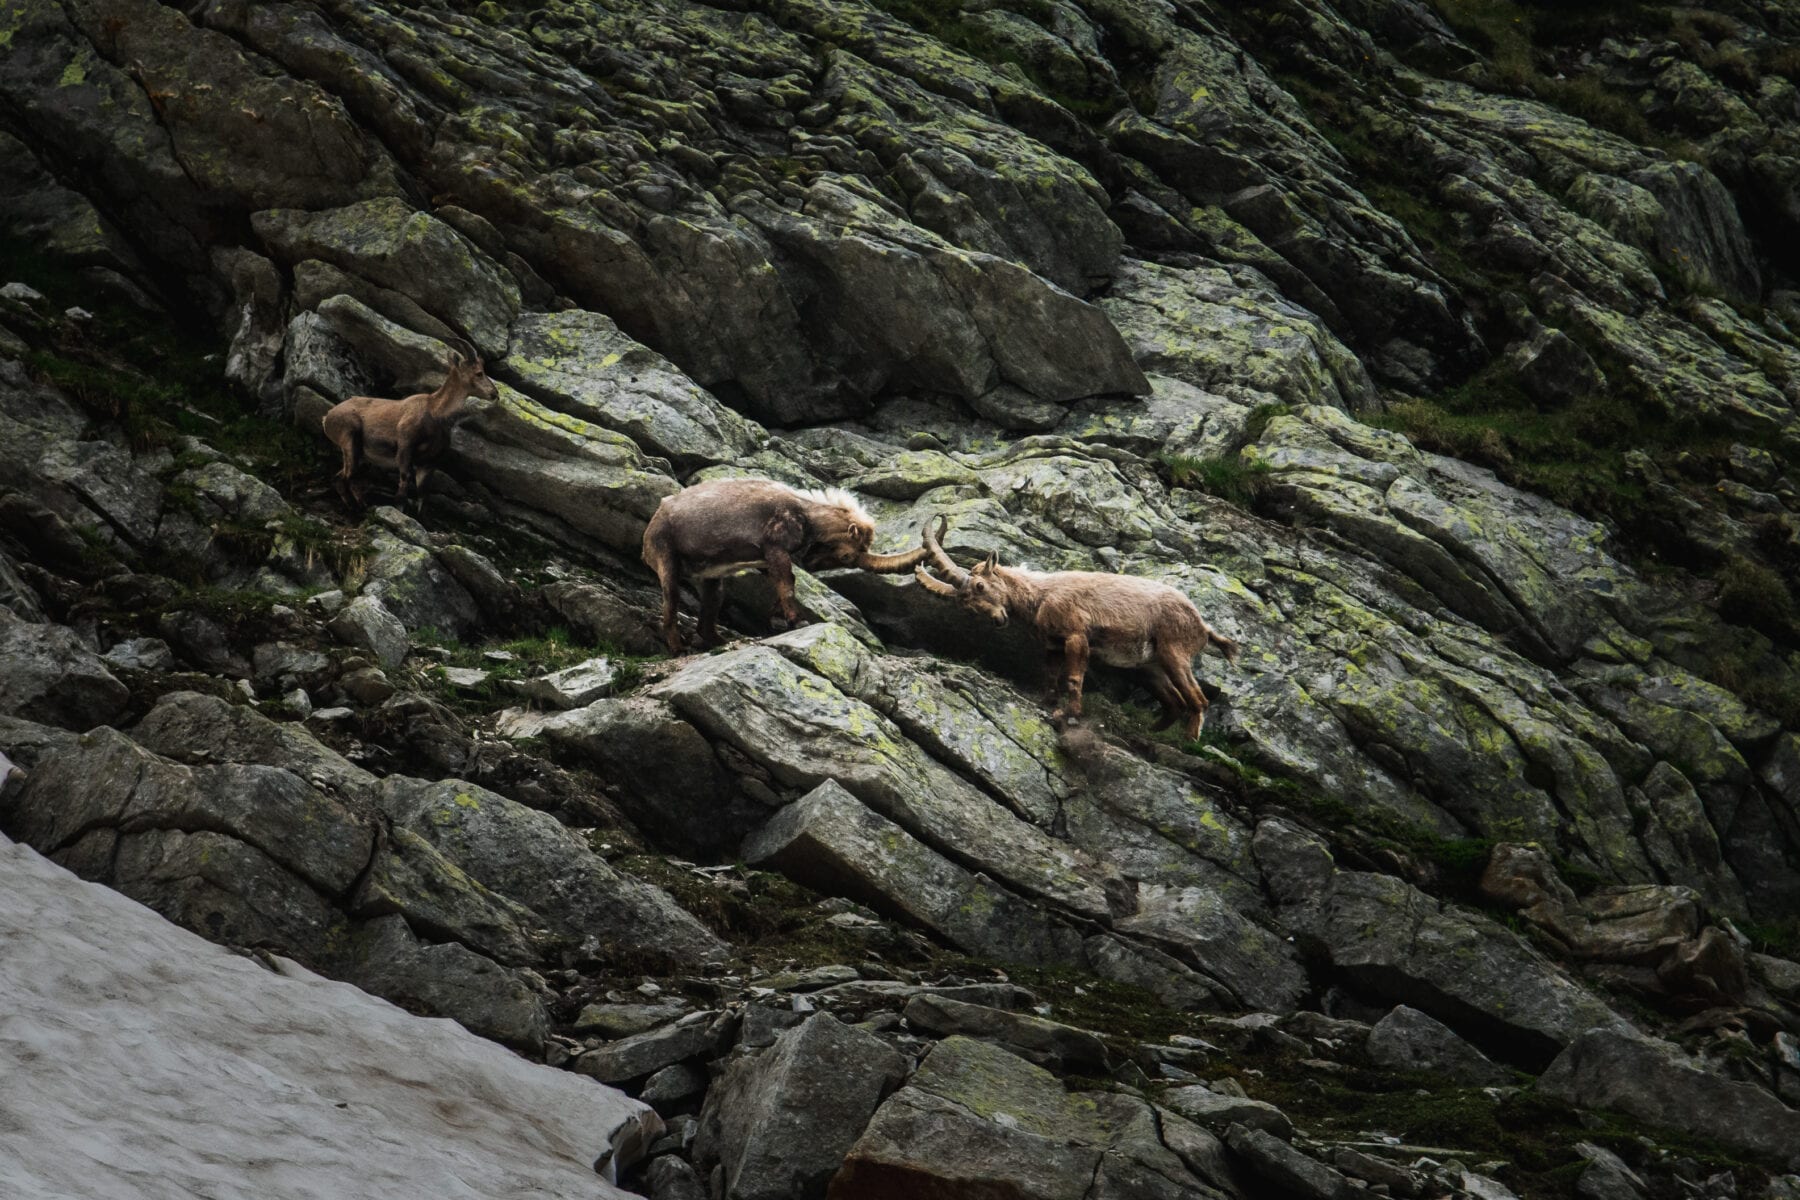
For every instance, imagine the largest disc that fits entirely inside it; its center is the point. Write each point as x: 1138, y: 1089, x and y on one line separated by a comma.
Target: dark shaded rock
x: 199, y: 729
x: 762, y: 1024
x: 1216, y: 1110
x: 603, y: 615
x: 1057, y: 1047
x: 1285, y: 1169
x: 367, y: 624
x: 533, y: 860
x: 781, y: 1122
x: 690, y: 803
x: 1373, y: 1169
x: 703, y: 1035
x: 221, y: 888
x: 615, y: 1021
x: 975, y: 1120
x: 1394, y: 941
x: 1606, y: 1177
x: 1655, y: 1082
x: 1202, y: 1153
x: 1645, y: 925
x: 410, y: 877
x: 105, y: 780
x: 366, y: 685
x: 830, y: 841
x: 671, y: 1178
x: 1408, y: 1040
x: 408, y: 581
x: 284, y: 665
x: 887, y: 993
x: 483, y: 997
x: 389, y: 243
x: 1554, y: 368
x: 497, y: 596
x: 671, y: 1087
x: 1154, y: 970
x: 46, y: 673
x: 203, y: 642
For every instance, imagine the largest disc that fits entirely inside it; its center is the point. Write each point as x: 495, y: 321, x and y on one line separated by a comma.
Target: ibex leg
x: 1178, y: 665
x: 712, y: 595
x: 1075, y: 660
x: 781, y: 574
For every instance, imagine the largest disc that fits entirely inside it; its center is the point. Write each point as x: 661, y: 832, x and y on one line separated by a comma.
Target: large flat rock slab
x: 143, y: 1062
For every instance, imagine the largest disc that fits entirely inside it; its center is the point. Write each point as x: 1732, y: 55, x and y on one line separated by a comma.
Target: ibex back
x: 728, y: 526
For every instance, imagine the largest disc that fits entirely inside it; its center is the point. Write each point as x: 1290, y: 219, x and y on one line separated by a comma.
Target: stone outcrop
x: 1446, y: 360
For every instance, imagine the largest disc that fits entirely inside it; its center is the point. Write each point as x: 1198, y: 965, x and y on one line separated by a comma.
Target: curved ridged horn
x: 943, y: 562
x: 931, y: 583
x: 462, y: 351
x: 892, y: 564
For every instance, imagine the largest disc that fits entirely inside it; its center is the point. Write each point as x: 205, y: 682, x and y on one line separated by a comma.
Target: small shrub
x: 1752, y: 594
x: 1780, y: 937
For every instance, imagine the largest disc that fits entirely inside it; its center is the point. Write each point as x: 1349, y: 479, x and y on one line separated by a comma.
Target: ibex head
x: 469, y: 374
x: 980, y: 590
x: 844, y: 531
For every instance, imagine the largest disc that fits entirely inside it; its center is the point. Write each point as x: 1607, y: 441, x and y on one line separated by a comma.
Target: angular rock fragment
x: 1654, y: 1081
x: 1054, y: 1046
x: 1408, y: 1040
x: 781, y: 1122
x: 702, y: 1035
x: 829, y: 840
x: 47, y: 674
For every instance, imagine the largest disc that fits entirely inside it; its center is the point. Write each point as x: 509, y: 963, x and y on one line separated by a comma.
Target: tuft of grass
x: 1780, y: 937
x: 1230, y: 477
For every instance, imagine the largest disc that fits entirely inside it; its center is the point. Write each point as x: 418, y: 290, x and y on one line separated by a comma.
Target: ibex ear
x: 991, y: 564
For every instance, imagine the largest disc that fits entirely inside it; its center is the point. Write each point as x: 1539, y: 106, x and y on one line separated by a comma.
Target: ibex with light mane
x: 1121, y: 620
x: 405, y: 435
x: 729, y: 526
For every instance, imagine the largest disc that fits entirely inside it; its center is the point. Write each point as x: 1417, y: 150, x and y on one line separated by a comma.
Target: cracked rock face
x: 1448, y: 368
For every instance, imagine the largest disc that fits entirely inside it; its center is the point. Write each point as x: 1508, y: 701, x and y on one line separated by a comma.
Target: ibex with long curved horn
x: 406, y: 435
x: 729, y: 526
x: 1119, y: 619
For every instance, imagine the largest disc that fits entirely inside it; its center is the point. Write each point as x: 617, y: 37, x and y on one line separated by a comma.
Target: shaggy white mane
x: 837, y: 498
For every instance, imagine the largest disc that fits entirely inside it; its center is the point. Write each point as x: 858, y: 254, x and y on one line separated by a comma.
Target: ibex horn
x: 945, y: 564
x: 930, y: 583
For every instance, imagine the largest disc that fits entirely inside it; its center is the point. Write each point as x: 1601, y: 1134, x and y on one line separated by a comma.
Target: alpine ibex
x: 1121, y: 620
x: 406, y: 435
x: 728, y: 526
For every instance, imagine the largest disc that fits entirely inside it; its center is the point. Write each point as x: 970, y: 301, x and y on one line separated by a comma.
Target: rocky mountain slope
x: 1443, y: 354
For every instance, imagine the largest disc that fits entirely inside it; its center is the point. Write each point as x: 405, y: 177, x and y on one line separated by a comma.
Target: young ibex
x: 1121, y: 620
x: 728, y: 526
x: 406, y: 435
